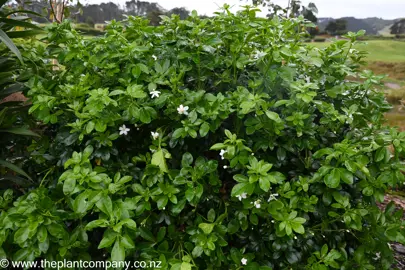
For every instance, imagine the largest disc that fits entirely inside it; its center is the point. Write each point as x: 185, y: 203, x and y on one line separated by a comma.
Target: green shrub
x: 89, y: 31
x: 84, y: 25
x: 320, y: 39
x: 209, y: 143
x: 395, y: 96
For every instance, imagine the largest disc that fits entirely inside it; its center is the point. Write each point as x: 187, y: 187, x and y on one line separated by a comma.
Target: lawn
x: 379, y: 50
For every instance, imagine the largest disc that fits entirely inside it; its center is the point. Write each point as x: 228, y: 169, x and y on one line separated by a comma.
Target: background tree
x: 154, y: 16
x: 398, y: 27
x: 337, y: 27
x: 294, y: 9
x: 142, y: 8
x: 90, y: 21
x: 182, y: 12
x: 272, y: 9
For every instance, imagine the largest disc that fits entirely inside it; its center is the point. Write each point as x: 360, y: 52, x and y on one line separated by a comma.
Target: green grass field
x: 379, y: 50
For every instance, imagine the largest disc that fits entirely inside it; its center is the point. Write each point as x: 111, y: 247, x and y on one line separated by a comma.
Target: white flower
x: 14, y: 77
x: 155, y: 93
x: 222, y: 153
x: 154, y: 57
x: 252, y: 154
x: 242, y: 196
x: 295, y: 237
x: 225, y: 167
x: 377, y: 256
x: 182, y: 109
x: 259, y: 54
x: 347, y: 231
x: 257, y: 204
x: 124, y: 130
x: 243, y: 261
x: 164, y: 208
x: 155, y: 135
x: 272, y: 221
x: 273, y: 197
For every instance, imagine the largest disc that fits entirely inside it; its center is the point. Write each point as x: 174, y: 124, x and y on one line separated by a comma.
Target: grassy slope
x: 386, y: 31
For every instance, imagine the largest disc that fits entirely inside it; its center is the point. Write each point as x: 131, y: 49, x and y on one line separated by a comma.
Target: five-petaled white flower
x: 257, y: 204
x: 273, y: 197
x: 182, y: 109
x: 242, y: 196
x: 154, y: 93
x: 154, y: 57
x: 243, y: 261
x: 222, y: 153
x: 155, y: 135
x: 124, y: 130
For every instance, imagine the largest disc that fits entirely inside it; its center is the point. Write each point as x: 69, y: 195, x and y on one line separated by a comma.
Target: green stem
x: 43, y: 179
x: 347, y: 54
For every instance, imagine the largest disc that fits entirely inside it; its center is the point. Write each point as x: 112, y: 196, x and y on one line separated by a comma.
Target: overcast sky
x: 387, y: 9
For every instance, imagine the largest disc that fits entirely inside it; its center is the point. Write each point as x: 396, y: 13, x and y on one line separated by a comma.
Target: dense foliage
x: 15, y: 70
x: 221, y: 143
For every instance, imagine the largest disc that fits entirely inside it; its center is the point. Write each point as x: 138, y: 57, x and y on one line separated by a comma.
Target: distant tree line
x: 100, y: 13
